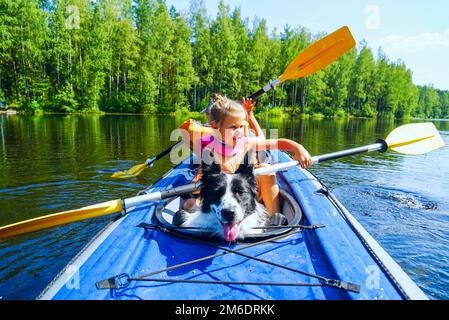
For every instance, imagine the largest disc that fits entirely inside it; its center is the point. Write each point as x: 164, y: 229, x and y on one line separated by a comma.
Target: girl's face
x: 232, y: 129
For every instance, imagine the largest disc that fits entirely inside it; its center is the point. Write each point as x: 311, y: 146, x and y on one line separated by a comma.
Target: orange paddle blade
x: 320, y: 54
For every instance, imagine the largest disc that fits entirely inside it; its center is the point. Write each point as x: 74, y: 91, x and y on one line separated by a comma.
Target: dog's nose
x: 228, y: 215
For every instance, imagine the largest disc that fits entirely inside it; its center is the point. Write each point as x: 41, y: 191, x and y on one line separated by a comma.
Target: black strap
x: 116, y: 282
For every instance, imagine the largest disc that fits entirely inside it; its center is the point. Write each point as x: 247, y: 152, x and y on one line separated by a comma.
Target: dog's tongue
x: 230, y: 231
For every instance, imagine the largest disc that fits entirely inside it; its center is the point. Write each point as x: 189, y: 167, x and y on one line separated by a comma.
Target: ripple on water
x: 410, y: 226
x: 402, y: 198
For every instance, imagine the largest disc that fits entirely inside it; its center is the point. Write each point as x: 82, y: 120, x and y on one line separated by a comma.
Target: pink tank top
x: 214, y: 144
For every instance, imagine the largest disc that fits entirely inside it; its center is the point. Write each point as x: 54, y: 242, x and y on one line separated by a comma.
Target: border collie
x: 229, y: 209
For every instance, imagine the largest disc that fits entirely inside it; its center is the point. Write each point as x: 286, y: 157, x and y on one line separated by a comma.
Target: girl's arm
x: 299, y: 152
x: 255, y: 126
x: 248, y: 104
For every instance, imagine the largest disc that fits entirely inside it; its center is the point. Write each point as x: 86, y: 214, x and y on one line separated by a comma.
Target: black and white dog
x: 229, y: 209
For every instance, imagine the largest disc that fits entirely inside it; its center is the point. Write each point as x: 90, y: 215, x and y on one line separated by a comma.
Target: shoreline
x: 195, y: 114
x: 9, y: 112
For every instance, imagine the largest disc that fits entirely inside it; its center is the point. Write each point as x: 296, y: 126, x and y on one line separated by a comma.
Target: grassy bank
x: 276, y: 112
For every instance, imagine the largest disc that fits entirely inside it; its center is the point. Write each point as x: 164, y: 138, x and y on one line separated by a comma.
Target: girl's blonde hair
x: 221, y: 107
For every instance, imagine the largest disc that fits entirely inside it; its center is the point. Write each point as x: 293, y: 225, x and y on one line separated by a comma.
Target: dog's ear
x: 208, y: 165
x: 247, y: 167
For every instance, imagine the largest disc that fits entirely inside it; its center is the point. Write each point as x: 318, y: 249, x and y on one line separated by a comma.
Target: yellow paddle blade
x: 133, y: 172
x: 61, y: 218
x: 415, y: 138
x: 320, y: 54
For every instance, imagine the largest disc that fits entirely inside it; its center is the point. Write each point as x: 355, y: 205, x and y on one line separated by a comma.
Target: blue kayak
x: 323, y: 253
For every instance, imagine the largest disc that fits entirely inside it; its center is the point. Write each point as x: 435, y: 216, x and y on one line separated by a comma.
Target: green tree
x: 428, y: 103
x: 297, y: 91
x: 408, y: 94
x: 337, y: 77
x: 244, y: 53
x: 122, y: 73
x: 180, y: 72
x: 162, y: 34
x: 201, y: 53
x: 381, y: 82
x: 259, y: 52
x: 23, y: 26
x: 223, y: 62
x: 272, y: 68
x: 444, y: 103
x: 361, y: 98
x: 146, y: 65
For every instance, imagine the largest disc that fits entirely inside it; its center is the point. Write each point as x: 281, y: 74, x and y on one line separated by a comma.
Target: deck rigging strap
x: 123, y: 280
x: 246, y: 283
x: 326, y: 191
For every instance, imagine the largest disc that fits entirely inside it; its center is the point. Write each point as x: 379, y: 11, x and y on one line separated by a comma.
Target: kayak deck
x: 334, y: 251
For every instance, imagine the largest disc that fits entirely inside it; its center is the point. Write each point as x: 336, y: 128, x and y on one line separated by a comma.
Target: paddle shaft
x: 380, y: 145
x: 151, y: 161
x: 159, y: 195
x: 271, y: 86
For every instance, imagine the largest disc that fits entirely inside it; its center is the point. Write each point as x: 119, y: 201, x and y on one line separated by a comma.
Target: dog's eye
x: 238, y: 190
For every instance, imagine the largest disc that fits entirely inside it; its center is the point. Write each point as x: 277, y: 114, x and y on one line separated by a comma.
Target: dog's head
x: 231, y: 197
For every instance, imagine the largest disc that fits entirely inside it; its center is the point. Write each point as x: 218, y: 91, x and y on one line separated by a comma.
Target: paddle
x: 137, y: 169
x: 314, y: 58
x: 310, y: 60
x: 412, y: 139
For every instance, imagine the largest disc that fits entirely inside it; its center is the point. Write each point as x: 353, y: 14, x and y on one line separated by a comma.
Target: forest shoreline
x: 194, y: 114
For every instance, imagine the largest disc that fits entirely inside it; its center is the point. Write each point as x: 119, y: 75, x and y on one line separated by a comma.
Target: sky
x: 414, y: 31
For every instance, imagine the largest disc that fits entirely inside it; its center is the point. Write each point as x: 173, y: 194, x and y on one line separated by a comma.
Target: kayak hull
x: 342, y: 250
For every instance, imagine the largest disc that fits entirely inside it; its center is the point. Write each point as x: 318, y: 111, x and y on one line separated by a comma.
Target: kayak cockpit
x: 290, y: 209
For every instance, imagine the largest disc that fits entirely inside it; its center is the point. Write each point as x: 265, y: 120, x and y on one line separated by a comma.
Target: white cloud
x: 399, y: 44
x: 426, y: 54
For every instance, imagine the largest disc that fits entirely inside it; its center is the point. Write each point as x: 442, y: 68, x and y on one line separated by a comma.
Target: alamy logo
x: 73, y: 17
x: 373, y: 279
x: 372, y: 22
x: 74, y: 278
x: 179, y: 154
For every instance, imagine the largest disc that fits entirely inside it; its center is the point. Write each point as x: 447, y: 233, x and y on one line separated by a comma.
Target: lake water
x: 53, y: 163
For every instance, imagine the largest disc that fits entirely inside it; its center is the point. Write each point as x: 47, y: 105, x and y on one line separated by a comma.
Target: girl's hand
x: 248, y: 104
x: 303, y: 156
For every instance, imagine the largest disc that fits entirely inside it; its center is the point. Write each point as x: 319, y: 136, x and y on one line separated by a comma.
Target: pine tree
x: 444, y: 103
x: 201, y: 53
x: 408, y: 94
x: 223, y: 62
x: 259, y: 52
x: 162, y: 34
x: 244, y: 54
x: 272, y: 68
x: 337, y: 77
x: 297, y: 91
x: 361, y: 99
x: 22, y: 52
x: 381, y: 82
x: 122, y: 73
x: 181, y: 74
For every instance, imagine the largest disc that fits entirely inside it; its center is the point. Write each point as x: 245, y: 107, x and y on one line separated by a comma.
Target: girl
x: 230, y: 143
